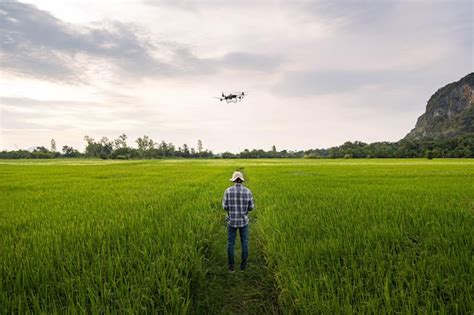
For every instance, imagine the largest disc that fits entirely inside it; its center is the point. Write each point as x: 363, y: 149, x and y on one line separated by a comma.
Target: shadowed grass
x: 251, y: 291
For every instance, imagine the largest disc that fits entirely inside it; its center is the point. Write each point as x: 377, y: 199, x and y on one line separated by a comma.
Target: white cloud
x: 318, y: 73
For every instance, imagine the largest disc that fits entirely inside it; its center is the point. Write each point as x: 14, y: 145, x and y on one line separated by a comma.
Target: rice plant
x: 369, y: 236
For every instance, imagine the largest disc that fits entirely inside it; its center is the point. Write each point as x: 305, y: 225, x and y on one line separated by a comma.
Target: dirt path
x: 249, y: 292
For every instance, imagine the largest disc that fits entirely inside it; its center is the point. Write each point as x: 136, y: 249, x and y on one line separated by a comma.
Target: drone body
x: 231, y: 97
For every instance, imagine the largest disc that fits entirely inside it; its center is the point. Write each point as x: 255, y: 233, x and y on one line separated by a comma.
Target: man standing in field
x: 237, y: 201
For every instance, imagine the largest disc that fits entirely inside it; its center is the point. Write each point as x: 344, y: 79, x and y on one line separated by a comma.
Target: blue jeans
x: 244, y: 241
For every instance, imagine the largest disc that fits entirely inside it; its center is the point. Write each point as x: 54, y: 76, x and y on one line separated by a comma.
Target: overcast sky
x: 318, y: 73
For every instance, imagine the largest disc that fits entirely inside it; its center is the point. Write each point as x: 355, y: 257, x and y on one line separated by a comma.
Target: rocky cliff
x: 449, y: 112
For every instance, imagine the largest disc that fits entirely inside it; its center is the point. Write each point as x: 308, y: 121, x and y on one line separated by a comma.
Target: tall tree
x: 185, y: 150
x: 145, y: 144
x: 199, y: 146
x: 70, y: 151
x: 163, y: 149
x: 121, y: 141
x: 171, y: 149
x: 88, y: 139
x: 53, y: 145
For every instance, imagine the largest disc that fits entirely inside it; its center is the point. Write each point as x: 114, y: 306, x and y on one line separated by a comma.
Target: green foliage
x: 129, y: 238
x: 145, y: 144
x: 456, y: 147
x: 369, y: 237
x: 123, y: 153
x: 70, y: 152
x: 102, y: 148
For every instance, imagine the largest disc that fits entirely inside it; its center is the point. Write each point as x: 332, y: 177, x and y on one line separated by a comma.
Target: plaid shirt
x: 237, y: 201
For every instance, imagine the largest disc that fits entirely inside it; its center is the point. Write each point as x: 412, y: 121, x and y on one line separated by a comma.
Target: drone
x: 231, y: 97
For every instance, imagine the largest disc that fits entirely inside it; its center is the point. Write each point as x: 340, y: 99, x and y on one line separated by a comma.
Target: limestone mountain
x: 449, y: 112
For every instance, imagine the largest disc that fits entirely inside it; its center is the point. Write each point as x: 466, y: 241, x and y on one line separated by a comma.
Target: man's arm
x: 251, y: 204
x: 225, y: 202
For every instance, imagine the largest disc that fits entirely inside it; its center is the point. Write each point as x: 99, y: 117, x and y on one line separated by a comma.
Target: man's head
x: 237, y: 177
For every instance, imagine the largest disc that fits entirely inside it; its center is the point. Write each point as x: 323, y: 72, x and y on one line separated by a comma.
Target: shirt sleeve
x: 225, y: 202
x: 251, y: 205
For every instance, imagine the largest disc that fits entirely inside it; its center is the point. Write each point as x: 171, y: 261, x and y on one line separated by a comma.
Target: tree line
x: 456, y: 147
x: 113, y: 149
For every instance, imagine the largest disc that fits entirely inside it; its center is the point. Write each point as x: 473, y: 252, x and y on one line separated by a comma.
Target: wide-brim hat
x: 237, y: 175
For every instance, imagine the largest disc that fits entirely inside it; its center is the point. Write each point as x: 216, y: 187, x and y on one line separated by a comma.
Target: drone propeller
x: 241, y: 93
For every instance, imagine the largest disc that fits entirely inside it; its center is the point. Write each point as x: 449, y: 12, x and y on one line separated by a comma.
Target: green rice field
x: 327, y: 237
